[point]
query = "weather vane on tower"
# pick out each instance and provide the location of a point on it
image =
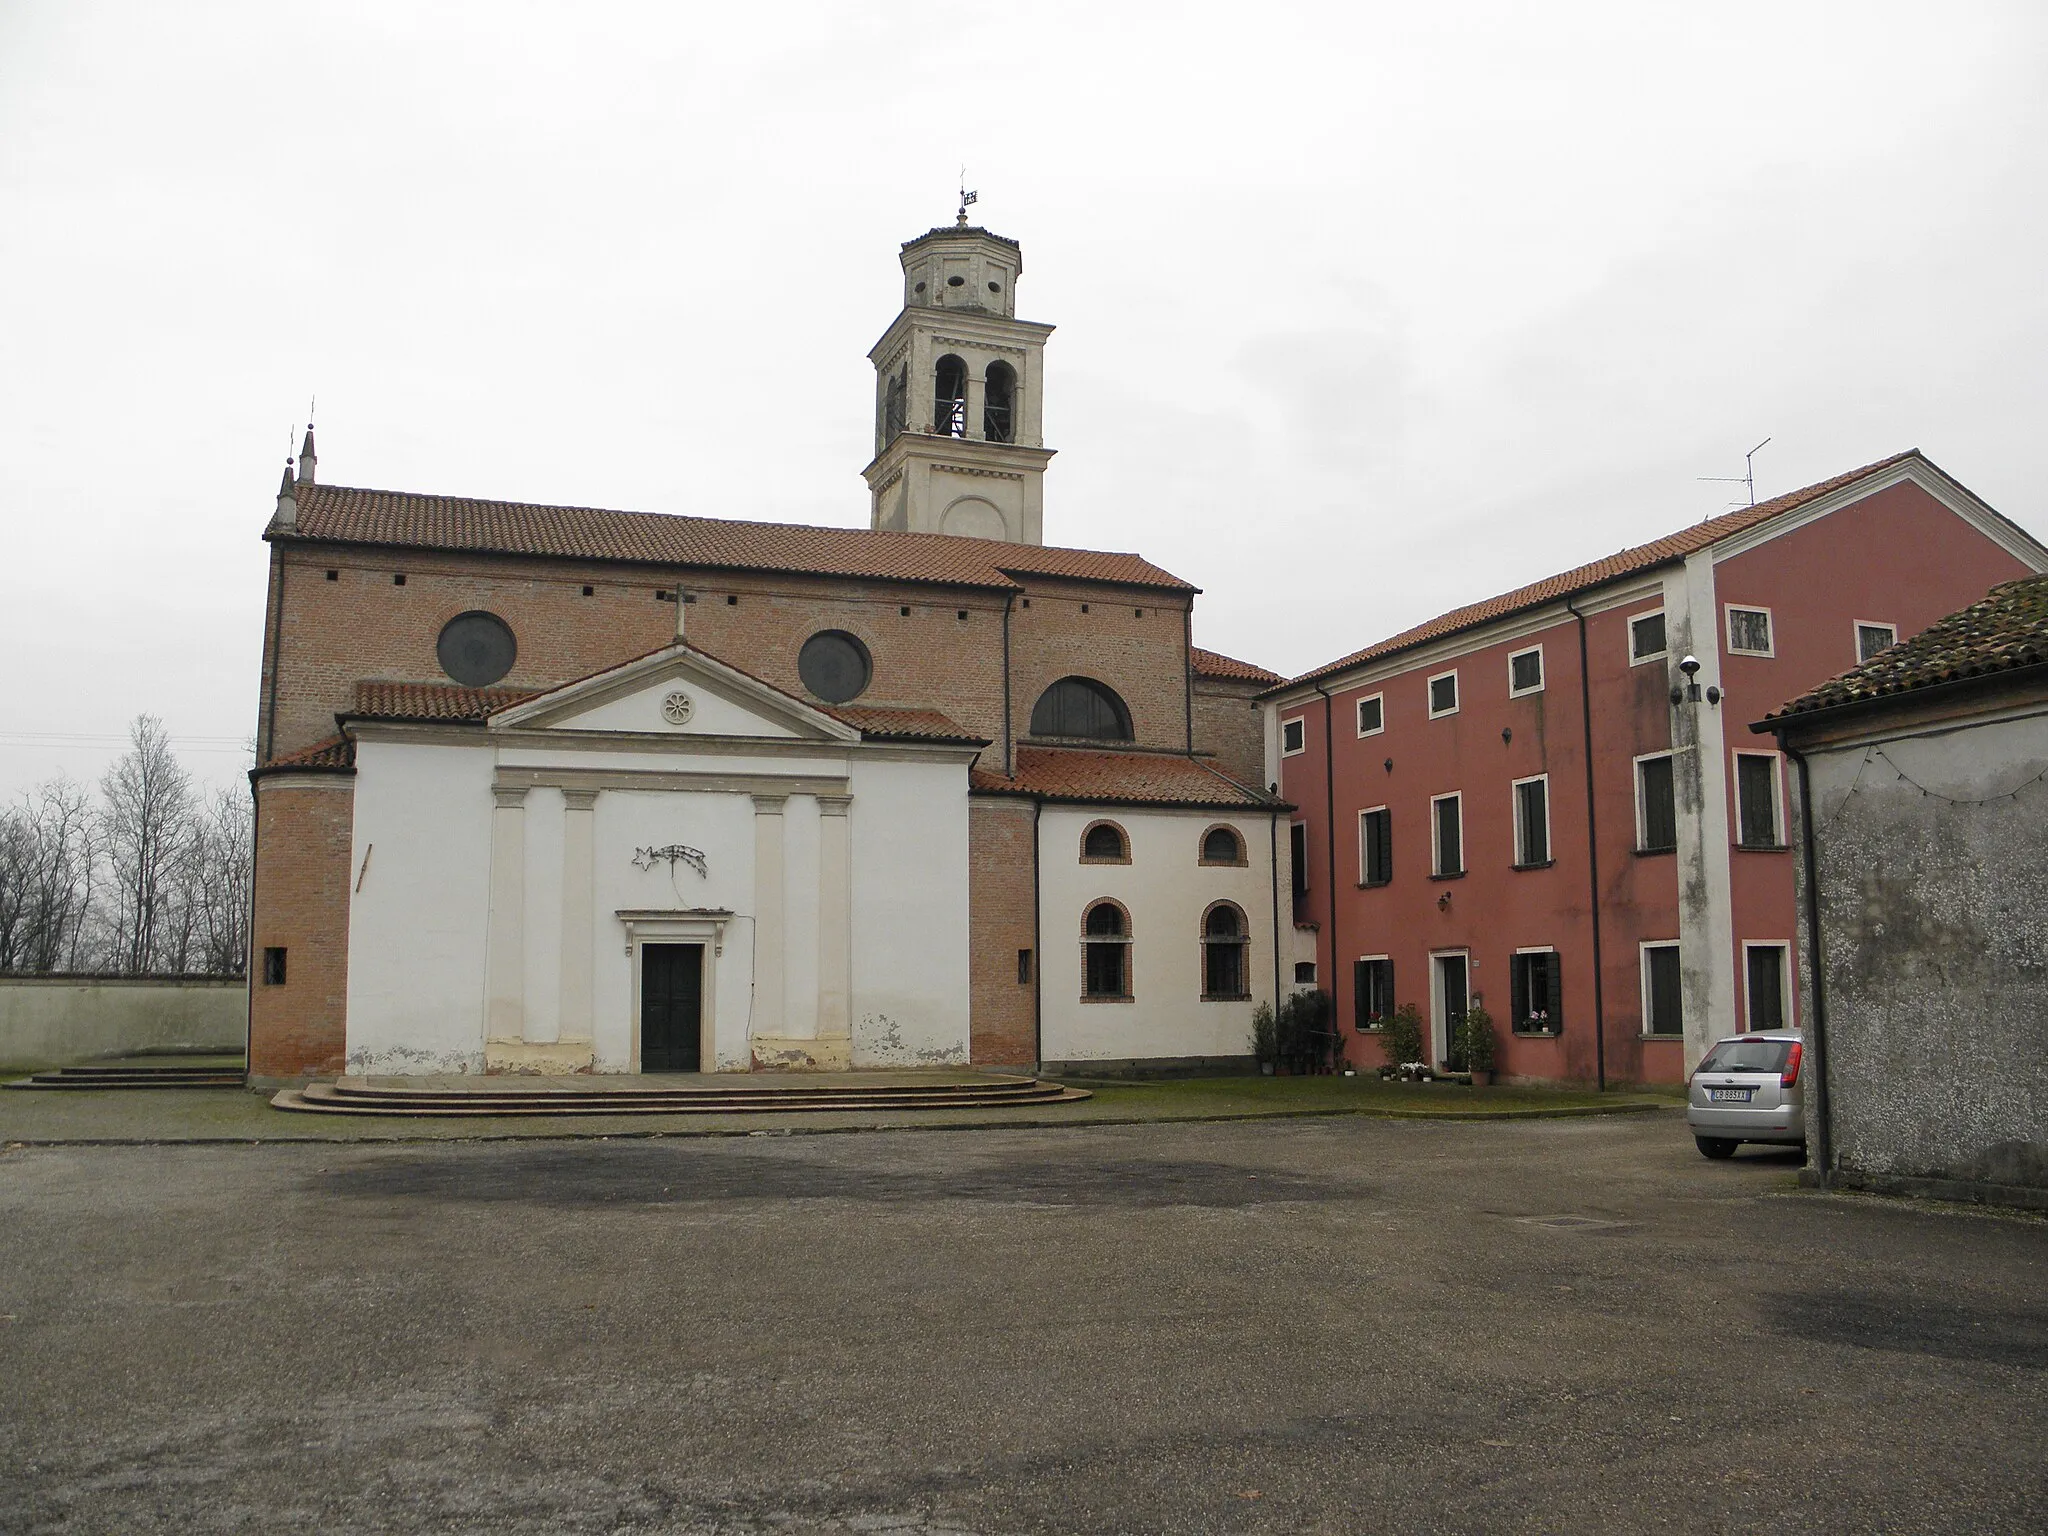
(966, 197)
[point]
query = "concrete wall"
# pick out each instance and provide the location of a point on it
(55, 1020)
(1934, 937)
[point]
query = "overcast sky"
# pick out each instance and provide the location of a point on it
(1364, 310)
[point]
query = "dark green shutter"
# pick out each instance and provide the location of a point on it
(1556, 1002)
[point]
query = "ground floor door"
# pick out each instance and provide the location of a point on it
(1451, 1001)
(671, 1007)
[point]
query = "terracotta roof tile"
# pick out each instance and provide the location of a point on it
(433, 701)
(881, 724)
(2005, 630)
(1627, 562)
(347, 515)
(1131, 778)
(1216, 664)
(335, 755)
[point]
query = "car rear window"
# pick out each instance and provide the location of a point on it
(1747, 1056)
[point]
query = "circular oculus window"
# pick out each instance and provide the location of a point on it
(476, 648)
(835, 666)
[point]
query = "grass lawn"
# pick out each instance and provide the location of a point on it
(1204, 1096)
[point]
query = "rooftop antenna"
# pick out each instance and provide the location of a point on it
(1747, 479)
(966, 197)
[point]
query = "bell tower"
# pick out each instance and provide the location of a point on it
(958, 388)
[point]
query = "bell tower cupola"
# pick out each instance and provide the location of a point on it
(958, 389)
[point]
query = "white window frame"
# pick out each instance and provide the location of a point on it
(1298, 720)
(1366, 698)
(1542, 673)
(1636, 767)
(1429, 694)
(1784, 949)
(1779, 831)
(1515, 816)
(1368, 811)
(1728, 612)
(1856, 628)
(1513, 1029)
(1366, 960)
(1436, 837)
(1643, 981)
(1648, 613)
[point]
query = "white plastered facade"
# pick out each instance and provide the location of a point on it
(506, 880)
(1166, 890)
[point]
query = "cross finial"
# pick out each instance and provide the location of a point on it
(966, 197)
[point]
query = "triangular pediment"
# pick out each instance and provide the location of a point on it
(676, 692)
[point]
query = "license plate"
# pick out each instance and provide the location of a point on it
(1730, 1095)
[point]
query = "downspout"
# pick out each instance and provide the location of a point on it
(1009, 603)
(1273, 869)
(1592, 860)
(1037, 949)
(1817, 1026)
(1187, 669)
(1330, 828)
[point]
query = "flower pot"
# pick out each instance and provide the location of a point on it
(1482, 1077)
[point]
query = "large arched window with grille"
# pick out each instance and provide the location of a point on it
(1222, 845)
(949, 397)
(999, 403)
(1081, 707)
(1225, 939)
(1106, 953)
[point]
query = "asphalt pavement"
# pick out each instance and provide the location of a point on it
(1339, 1324)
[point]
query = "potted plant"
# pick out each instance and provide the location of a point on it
(1480, 1044)
(1402, 1037)
(1265, 1038)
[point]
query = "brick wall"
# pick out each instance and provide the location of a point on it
(1228, 723)
(1002, 1020)
(1126, 638)
(304, 827)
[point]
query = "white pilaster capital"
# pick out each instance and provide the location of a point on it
(834, 805)
(769, 805)
(508, 799)
(579, 799)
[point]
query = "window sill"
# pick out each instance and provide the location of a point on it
(1540, 864)
(1537, 1034)
(1086, 860)
(1226, 997)
(1125, 998)
(1666, 1039)
(1763, 847)
(1217, 864)
(1655, 853)
(1374, 885)
(1456, 874)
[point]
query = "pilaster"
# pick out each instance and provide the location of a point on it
(835, 916)
(505, 966)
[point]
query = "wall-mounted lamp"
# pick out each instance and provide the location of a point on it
(1443, 902)
(1507, 734)
(1689, 691)
(1388, 765)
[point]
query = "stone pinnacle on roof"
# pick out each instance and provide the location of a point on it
(307, 458)
(287, 499)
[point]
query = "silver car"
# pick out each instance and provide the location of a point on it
(1748, 1088)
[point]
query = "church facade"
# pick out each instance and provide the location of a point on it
(557, 789)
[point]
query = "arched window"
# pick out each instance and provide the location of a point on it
(895, 404)
(1222, 845)
(1105, 843)
(998, 404)
(1224, 941)
(949, 397)
(1106, 952)
(1080, 706)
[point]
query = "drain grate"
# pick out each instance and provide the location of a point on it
(1567, 1223)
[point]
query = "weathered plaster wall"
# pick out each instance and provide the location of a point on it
(1934, 933)
(49, 1021)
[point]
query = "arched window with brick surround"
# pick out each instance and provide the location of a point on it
(1105, 843)
(1225, 939)
(1222, 845)
(1106, 953)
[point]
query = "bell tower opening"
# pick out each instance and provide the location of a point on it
(959, 394)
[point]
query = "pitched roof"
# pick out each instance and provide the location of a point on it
(433, 701)
(336, 754)
(399, 519)
(454, 704)
(1216, 664)
(2005, 630)
(1128, 778)
(1627, 562)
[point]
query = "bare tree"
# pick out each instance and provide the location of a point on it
(147, 819)
(220, 892)
(48, 858)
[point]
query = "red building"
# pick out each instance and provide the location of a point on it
(1531, 802)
